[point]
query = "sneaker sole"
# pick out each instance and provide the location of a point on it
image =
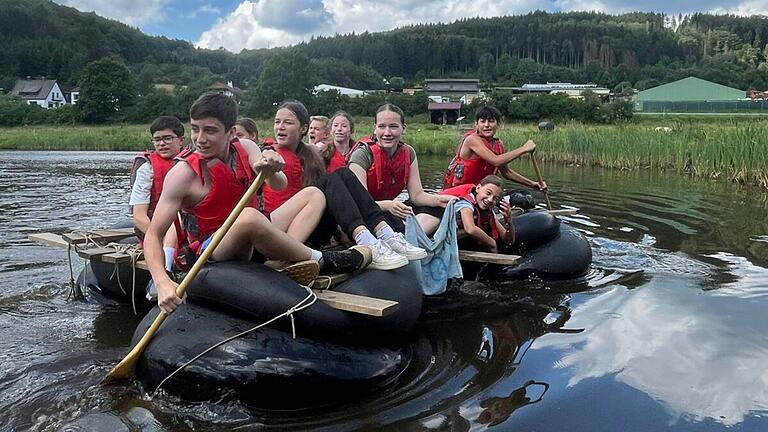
(367, 254)
(416, 256)
(390, 266)
(303, 272)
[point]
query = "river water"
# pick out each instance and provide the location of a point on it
(668, 331)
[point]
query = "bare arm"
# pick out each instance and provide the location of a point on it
(175, 189)
(472, 230)
(140, 217)
(475, 144)
(416, 190)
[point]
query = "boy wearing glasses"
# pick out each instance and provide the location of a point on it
(147, 176)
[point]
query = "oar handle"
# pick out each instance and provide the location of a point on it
(541, 179)
(127, 367)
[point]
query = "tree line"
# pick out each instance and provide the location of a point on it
(622, 52)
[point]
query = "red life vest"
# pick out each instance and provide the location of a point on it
(337, 161)
(160, 167)
(484, 219)
(294, 172)
(471, 171)
(387, 177)
(228, 184)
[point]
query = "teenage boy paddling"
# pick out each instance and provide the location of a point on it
(207, 185)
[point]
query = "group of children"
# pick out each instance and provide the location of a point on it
(334, 183)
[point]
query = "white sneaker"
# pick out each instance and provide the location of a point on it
(384, 258)
(398, 244)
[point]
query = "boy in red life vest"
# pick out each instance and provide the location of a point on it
(481, 154)
(147, 176)
(320, 136)
(207, 184)
(476, 218)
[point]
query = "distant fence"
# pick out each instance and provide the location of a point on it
(759, 106)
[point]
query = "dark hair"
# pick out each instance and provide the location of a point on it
(215, 105)
(487, 112)
(393, 108)
(248, 124)
(313, 165)
(492, 179)
(167, 122)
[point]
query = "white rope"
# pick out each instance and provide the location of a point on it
(133, 252)
(306, 302)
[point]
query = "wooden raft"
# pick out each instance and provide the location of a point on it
(321, 287)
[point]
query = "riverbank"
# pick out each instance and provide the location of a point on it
(735, 149)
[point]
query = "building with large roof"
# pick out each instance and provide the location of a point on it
(690, 95)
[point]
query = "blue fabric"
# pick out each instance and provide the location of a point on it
(442, 261)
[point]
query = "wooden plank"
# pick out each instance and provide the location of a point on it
(119, 257)
(105, 236)
(356, 303)
(49, 239)
(95, 253)
(330, 281)
(488, 257)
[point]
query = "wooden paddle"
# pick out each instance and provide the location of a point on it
(541, 180)
(127, 367)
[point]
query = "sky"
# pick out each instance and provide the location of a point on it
(235, 24)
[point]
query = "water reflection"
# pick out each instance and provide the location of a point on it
(672, 313)
(701, 356)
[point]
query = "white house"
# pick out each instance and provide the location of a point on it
(342, 90)
(43, 92)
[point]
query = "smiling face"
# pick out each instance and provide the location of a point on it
(317, 131)
(388, 129)
(288, 129)
(167, 143)
(211, 138)
(341, 129)
(487, 195)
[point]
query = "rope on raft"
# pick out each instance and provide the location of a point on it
(306, 302)
(75, 290)
(134, 252)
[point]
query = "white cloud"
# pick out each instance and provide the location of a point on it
(267, 23)
(752, 7)
(131, 12)
(271, 23)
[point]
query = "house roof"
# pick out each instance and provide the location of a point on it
(32, 89)
(437, 106)
(690, 89)
(225, 86)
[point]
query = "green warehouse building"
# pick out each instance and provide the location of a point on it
(692, 95)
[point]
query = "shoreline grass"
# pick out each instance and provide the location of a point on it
(735, 149)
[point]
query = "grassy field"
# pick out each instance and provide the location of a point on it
(733, 148)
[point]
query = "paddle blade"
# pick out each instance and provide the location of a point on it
(127, 367)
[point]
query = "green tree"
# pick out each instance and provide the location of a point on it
(106, 90)
(286, 75)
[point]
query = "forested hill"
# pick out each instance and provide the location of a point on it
(39, 37)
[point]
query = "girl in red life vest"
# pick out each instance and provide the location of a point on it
(348, 204)
(481, 154)
(245, 128)
(476, 218)
(385, 166)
